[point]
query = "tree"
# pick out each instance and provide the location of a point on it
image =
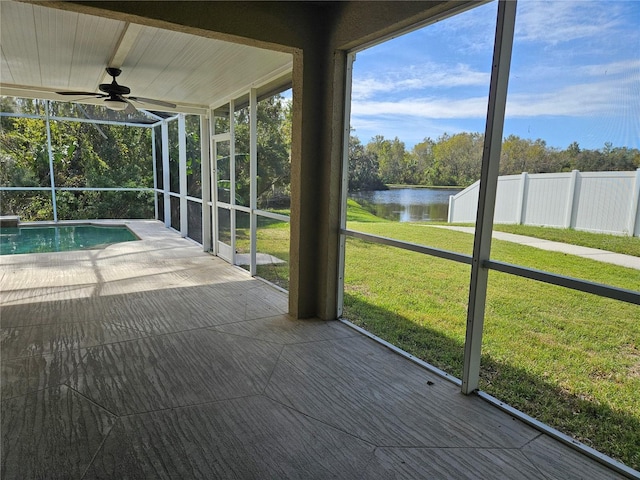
(525, 155)
(422, 162)
(363, 168)
(84, 155)
(194, 156)
(274, 151)
(457, 159)
(391, 157)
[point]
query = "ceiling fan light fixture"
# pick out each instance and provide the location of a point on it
(115, 104)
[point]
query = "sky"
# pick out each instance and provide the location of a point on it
(575, 76)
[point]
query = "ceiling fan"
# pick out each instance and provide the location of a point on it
(114, 95)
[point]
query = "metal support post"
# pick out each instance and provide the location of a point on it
(165, 173)
(487, 194)
(253, 182)
(182, 172)
(232, 179)
(54, 203)
(155, 173)
(346, 134)
(205, 178)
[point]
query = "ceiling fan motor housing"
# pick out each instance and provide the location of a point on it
(113, 88)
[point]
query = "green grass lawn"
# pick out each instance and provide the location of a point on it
(569, 359)
(273, 239)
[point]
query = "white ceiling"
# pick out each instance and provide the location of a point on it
(44, 50)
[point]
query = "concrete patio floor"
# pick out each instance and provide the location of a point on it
(152, 359)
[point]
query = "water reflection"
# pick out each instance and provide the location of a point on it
(407, 204)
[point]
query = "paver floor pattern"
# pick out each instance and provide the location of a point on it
(153, 359)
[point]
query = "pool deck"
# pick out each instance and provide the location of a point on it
(153, 359)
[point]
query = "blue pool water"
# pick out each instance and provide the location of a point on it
(60, 238)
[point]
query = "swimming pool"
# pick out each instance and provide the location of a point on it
(62, 238)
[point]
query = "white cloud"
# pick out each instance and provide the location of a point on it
(631, 66)
(423, 107)
(531, 75)
(576, 61)
(417, 77)
(558, 22)
(470, 32)
(579, 100)
(407, 129)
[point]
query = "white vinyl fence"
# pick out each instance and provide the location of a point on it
(603, 202)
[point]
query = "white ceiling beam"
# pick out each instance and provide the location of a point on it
(125, 44)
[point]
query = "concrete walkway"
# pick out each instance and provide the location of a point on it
(620, 259)
(261, 259)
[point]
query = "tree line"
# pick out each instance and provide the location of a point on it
(273, 142)
(89, 155)
(84, 155)
(454, 160)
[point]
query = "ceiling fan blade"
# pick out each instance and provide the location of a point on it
(153, 102)
(131, 109)
(84, 94)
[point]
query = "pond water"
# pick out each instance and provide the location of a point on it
(407, 204)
